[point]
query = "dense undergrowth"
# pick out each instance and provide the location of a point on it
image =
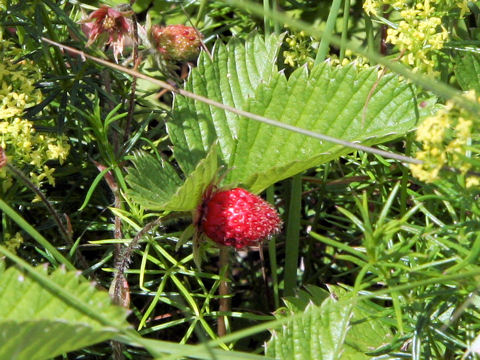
(356, 120)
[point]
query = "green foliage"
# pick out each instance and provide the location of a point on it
(366, 329)
(230, 78)
(316, 333)
(152, 181)
(369, 330)
(355, 105)
(345, 102)
(338, 102)
(156, 185)
(38, 324)
(467, 70)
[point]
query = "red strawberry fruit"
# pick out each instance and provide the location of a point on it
(177, 42)
(238, 218)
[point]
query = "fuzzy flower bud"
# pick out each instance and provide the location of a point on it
(176, 42)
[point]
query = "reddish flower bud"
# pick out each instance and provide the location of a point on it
(176, 42)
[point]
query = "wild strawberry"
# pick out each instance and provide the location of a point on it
(176, 42)
(238, 218)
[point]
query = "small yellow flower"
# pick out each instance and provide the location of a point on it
(419, 32)
(432, 129)
(24, 147)
(58, 151)
(472, 181)
(13, 243)
(370, 7)
(445, 139)
(463, 128)
(463, 5)
(423, 174)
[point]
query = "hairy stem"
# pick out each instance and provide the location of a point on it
(120, 283)
(223, 291)
(126, 255)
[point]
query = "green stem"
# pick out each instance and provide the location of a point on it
(276, 24)
(67, 236)
(293, 236)
(272, 255)
(343, 39)
(125, 257)
(325, 42)
(133, 85)
(266, 19)
(370, 36)
(405, 177)
(223, 291)
(17, 173)
(201, 11)
(60, 63)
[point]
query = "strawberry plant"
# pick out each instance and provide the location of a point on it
(239, 180)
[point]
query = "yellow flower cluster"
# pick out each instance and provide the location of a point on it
(418, 32)
(301, 50)
(24, 147)
(442, 7)
(445, 137)
(359, 61)
(12, 243)
(17, 91)
(418, 38)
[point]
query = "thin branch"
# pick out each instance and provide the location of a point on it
(136, 62)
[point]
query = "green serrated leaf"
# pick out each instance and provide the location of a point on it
(318, 333)
(231, 78)
(151, 182)
(299, 302)
(156, 185)
(349, 103)
(189, 195)
(36, 324)
(368, 329)
(467, 71)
